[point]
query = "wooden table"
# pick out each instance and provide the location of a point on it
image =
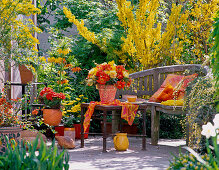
(105, 109)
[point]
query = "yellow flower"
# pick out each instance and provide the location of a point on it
(63, 113)
(112, 74)
(81, 95)
(51, 59)
(93, 71)
(111, 63)
(125, 74)
(90, 82)
(58, 60)
(63, 51)
(78, 99)
(42, 59)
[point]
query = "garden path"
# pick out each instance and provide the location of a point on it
(155, 157)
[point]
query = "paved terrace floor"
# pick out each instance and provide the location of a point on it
(155, 157)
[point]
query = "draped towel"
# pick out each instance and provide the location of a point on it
(128, 111)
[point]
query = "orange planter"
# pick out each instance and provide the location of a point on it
(52, 117)
(26, 75)
(107, 92)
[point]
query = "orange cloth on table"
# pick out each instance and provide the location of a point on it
(128, 111)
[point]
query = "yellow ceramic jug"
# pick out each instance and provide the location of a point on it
(121, 142)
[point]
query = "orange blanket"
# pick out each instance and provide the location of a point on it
(128, 111)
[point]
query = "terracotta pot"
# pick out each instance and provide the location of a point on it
(26, 75)
(70, 132)
(52, 117)
(78, 131)
(12, 133)
(107, 92)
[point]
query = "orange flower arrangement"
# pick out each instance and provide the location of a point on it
(109, 74)
(50, 98)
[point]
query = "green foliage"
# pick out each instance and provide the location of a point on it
(47, 158)
(201, 106)
(215, 55)
(188, 161)
(170, 126)
(100, 18)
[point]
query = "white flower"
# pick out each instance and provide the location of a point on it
(208, 130)
(216, 121)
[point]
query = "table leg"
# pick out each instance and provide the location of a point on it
(144, 130)
(82, 127)
(104, 130)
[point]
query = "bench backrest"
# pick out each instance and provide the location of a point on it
(147, 82)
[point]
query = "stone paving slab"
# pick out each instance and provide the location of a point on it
(91, 156)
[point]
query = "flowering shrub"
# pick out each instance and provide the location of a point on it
(50, 98)
(7, 116)
(72, 111)
(109, 74)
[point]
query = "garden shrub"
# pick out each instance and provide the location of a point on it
(201, 107)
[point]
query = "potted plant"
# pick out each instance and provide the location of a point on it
(10, 125)
(72, 114)
(108, 77)
(52, 114)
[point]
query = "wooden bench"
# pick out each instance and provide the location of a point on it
(147, 82)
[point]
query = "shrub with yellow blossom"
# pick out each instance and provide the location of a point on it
(146, 42)
(17, 42)
(72, 110)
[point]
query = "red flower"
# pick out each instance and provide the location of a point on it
(120, 84)
(120, 75)
(119, 68)
(49, 96)
(35, 112)
(101, 80)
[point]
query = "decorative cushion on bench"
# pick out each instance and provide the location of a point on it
(165, 92)
(173, 102)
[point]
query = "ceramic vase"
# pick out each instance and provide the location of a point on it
(121, 142)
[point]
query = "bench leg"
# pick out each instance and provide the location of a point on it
(155, 125)
(144, 131)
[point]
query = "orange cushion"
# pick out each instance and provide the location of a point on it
(186, 81)
(165, 92)
(172, 79)
(162, 94)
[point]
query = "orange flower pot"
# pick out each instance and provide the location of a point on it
(26, 74)
(52, 117)
(107, 92)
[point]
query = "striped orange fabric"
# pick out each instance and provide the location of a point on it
(128, 111)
